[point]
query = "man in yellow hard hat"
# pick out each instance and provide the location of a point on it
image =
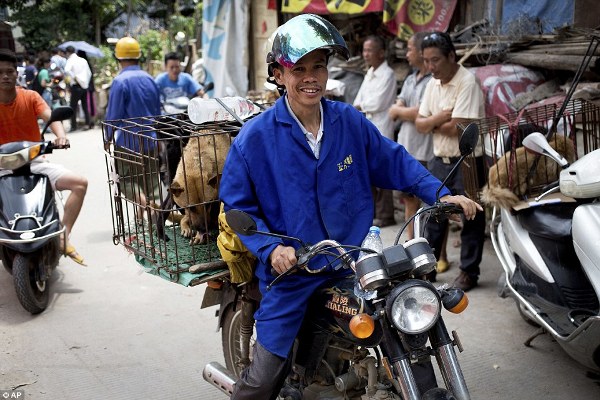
(133, 94)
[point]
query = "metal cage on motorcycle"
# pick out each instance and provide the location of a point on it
(506, 162)
(152, 230)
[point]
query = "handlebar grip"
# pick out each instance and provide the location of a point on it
(450, 208)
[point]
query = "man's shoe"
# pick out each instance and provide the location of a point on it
(73, 130)
(464, 282)
(384, 222)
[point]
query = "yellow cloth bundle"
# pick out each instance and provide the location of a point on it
(239, 259)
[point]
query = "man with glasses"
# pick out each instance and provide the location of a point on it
(452, 97)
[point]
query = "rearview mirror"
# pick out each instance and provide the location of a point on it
(468, 139)
(240, 222)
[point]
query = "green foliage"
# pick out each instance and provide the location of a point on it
(152, 43)
(106, 68)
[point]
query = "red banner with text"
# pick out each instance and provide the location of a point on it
(405, 17)
(331, 6)
(401, 17)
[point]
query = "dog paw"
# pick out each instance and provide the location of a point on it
(200, 238)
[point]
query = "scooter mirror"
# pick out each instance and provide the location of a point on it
(537, 143)
(468, 139)
(60, 114)
(240, 222)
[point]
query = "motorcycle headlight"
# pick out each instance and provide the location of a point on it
(413, 307)
(19, 158)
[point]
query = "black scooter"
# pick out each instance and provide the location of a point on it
(30, 226)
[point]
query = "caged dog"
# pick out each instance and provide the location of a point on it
(509, 180)
(171, 140)
(195, 186)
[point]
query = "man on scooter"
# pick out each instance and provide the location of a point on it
(19, 113)
(174, 83)
(305, 168)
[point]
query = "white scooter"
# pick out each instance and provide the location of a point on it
(550, 253)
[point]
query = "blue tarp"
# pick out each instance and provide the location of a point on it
(551, 13)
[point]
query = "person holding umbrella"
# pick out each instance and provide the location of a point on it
(79, 71)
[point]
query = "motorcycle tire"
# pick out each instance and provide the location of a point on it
(438, 394)
(231, 339)
(31, 292)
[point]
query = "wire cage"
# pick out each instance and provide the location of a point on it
(501, 160)
(163, 176)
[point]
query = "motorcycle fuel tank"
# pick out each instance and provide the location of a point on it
(331, 308)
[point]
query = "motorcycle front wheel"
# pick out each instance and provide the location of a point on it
(31, 291)
(232, 340)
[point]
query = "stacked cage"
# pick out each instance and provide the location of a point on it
(163, 175)
(501, 161)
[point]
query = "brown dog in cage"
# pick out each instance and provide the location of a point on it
(499, 193)
(195, 187)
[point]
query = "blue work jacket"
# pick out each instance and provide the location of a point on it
(133, 93)
(272, 174)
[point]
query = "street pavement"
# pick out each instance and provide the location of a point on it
(114, 332)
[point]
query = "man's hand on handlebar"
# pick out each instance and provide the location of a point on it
(283, 258)
(61, 142)
(469, 207)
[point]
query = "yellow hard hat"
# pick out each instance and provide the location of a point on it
(127, 48)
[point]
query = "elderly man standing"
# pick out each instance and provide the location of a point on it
(453, 96)
(79, 71)
(375, 97)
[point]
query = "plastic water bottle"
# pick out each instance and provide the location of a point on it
(371, 241)
(209, 110)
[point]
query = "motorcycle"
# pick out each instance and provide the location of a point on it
(59, 88)
(551, 258)
(179, 104)
(355, 344)
(30, 227)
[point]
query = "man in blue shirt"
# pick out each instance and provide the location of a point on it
(133, 94)
(305, 168)
(174, 83)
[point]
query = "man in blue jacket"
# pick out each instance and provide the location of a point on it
(305, 168)
(133, 94)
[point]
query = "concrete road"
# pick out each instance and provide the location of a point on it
(114, 332)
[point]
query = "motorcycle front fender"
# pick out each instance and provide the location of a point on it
(28, 213)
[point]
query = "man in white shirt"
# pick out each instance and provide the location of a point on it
(453, 96)
(375, 97)
(79, 71)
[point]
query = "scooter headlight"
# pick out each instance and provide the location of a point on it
(413, 307)
(19, 158)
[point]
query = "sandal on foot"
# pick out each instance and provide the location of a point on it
(72, 253)
(442, 266)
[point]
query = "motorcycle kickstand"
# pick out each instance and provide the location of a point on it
(537, 333)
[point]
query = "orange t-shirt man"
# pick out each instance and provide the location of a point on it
(18, 119)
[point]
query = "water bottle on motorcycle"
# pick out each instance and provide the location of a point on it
(210, 110)
(373, 242)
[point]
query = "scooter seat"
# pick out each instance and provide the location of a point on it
(552, 221)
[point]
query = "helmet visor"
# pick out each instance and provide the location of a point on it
(303, 34)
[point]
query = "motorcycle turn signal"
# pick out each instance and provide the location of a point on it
(454, 300)
(362, 325)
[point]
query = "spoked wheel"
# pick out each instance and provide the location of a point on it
(31, 291)
(232, 340)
